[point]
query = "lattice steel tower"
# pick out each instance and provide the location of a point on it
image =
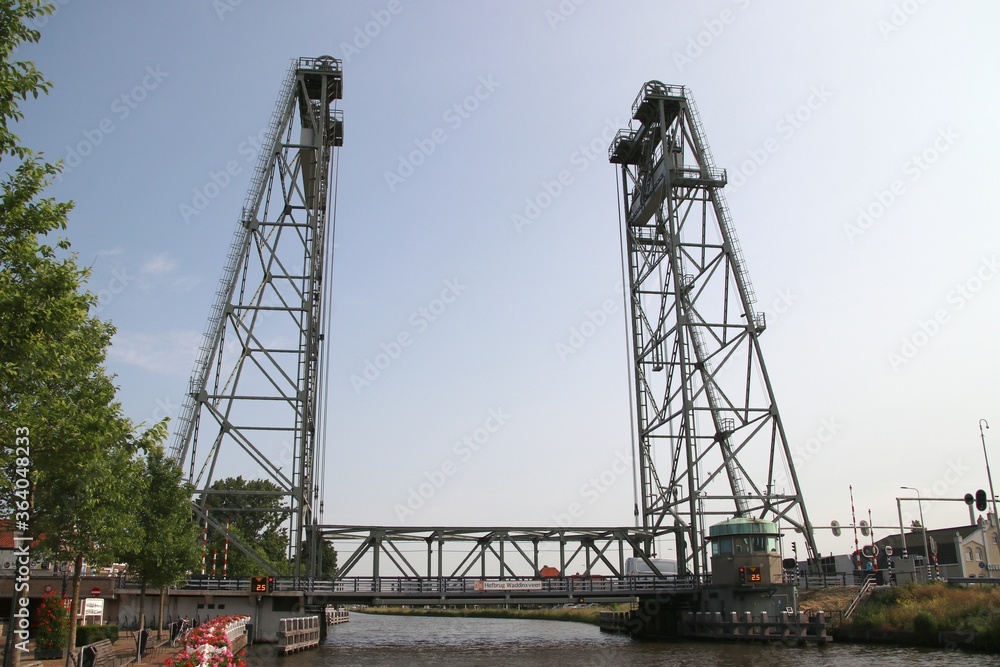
(254, 397)
(710, 440)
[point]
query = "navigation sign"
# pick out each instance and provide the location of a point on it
(258, 584)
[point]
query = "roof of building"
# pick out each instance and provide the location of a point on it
(7, 536)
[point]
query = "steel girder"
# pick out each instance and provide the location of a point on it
(487, 552)
(710, 440)
(252, 399)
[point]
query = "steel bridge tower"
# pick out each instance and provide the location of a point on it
(254, 398)
(711, 444)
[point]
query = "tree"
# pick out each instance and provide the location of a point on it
(83, 496)
(169, 548)
(328, 567)
(256, 511)
(83, 469)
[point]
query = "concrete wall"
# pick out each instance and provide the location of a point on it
(264, 610)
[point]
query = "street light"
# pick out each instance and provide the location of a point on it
(989, 477)
(923, 528)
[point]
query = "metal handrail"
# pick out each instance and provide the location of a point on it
(571, 585)
(866, 588)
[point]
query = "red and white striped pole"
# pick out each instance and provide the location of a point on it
(215, 552)
(204, 545)
(225, 553)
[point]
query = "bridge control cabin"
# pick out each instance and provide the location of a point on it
(745, 553)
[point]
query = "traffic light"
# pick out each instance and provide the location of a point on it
(743, 575)
(981, 500)
(261, 584)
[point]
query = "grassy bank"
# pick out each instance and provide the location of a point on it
(576, 615)
(926, 609)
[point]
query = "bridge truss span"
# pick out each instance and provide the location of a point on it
(487, 552)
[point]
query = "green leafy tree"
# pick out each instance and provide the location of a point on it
(328, 566)
(169, 550)
(84, 473)
(84, 497)
(256, 511)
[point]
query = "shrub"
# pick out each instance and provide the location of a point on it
(925, 626)
(52, 626)
(88, 634)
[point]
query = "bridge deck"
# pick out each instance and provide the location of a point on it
(459, 590)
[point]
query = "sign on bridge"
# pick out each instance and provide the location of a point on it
(504, 585)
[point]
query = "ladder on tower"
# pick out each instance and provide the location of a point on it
(725, 220)
(232, 265)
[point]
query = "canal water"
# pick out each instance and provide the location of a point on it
(445, 642)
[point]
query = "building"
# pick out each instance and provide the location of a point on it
(962, 551)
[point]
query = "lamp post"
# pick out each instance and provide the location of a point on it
(989, 477)
(923, 528)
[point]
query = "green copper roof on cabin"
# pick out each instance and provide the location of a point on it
(742, 526)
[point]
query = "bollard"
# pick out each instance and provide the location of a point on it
(820, 624)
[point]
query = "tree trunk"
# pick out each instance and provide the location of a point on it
(11, 650)
(163, 602)
(74, 603)
(142, 621)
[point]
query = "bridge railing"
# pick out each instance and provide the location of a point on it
(445, 586)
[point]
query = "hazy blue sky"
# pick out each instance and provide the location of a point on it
(861, 143)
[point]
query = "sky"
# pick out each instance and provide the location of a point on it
(860, 143)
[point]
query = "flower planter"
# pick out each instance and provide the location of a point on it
(50, 653)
